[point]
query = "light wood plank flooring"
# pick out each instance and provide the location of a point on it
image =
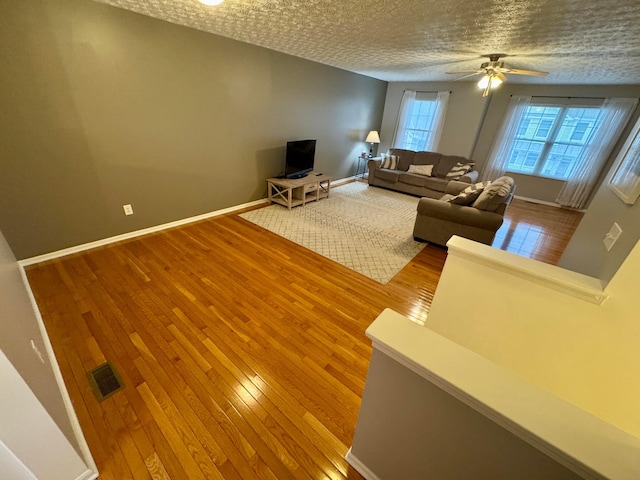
(243, 354)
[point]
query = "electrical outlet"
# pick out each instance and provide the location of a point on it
(37, 350)
(128, 209)
(611, 236)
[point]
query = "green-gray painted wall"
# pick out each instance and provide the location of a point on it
(103, 107)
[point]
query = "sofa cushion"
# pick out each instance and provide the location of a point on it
(388, 175)
(426, 158)
(446, 163)
(434, 183)
(389, 161)
(425, 170)
(405, 158)
(447, 197)
(469, 194)
(411, 179)
(494, 195)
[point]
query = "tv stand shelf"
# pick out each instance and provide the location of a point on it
(298, 191)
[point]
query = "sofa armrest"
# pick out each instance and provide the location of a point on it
(455, 187)
(459, 214)
(373, 164)
(470, 177)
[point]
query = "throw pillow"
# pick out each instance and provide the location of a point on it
(389, 161)
(469, 194)
(421, 169)
(459, 170)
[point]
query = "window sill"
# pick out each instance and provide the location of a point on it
(509, 172)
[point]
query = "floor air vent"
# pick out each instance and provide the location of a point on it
(105, 381)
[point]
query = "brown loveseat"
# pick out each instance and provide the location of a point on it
(474, 215)
(432, 186)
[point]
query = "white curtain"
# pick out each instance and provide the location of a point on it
(408, 97)
(438, 121)
(614, 115)
(497, 160)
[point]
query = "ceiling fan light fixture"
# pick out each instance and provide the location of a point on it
(490, 81)
(211, 3)
(484, 81)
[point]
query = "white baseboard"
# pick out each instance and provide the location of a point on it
(88, 475)
(92, 469)
(543, 202)
(145, 231)
(359, 466)
(135, 233)
(342, 181)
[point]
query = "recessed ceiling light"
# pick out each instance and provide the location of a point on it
(211, 2)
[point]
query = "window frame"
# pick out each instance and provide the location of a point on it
(422, 96)
(627, 191)
(564, 104)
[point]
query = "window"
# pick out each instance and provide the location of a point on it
(569, 139)
(551, 138)
(419, 125)
(625, 181)
(420, 120)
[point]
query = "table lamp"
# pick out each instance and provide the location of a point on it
(372, 138)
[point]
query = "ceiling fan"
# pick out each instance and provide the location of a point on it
(493, 73)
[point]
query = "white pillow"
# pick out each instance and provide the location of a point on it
(389, 161)
(421, 170)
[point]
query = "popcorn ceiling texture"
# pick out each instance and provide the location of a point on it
(576, 41)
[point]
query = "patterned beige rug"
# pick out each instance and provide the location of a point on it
(367, 229)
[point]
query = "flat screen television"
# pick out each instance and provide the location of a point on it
(299, 159)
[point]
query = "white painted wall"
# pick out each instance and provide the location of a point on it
(20, 325)
(433, 409)
(31, 441)
(585, 353)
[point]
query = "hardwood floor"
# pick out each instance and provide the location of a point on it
(243, 355)
(536, 231)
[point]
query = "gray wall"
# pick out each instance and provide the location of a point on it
(104, 107)
(462, 121)
(19, 326)
(544, 189)
(471, 125)
(409, 428)
(586, 253)
(472, 122)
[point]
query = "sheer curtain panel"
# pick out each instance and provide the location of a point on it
(497, 161)
(437, 122)
(408, 98)
(613, 117)
(419, 127)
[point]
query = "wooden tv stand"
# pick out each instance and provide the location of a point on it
(298, 191)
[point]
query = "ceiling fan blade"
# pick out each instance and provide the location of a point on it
(524, 72)
(467, 76)
(465, 71)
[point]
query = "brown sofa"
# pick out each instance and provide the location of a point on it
(424, 186)
(438, 220)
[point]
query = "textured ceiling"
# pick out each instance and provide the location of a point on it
(576, 41)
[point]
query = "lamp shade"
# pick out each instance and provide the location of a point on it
(373, 137)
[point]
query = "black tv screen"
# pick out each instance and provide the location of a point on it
(300, 157)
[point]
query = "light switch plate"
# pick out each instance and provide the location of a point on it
(611, 236)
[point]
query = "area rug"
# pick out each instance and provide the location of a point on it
(367, 229)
